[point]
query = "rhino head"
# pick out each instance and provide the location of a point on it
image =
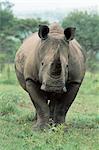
(53, 57)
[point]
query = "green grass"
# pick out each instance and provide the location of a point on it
(17, 112)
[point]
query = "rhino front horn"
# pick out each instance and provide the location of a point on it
(43, 87)
(64, 89)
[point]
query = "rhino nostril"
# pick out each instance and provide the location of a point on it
(67, 66)
(42, 63)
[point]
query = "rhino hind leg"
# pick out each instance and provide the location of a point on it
(51, 109)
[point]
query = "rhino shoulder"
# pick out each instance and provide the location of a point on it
(25, 59)
(74, 45)
(76, 62)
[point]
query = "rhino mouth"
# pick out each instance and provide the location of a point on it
(54, 84)
(56, 89)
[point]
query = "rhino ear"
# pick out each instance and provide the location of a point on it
(43, 31)
(69, 33)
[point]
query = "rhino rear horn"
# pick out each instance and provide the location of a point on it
(69, 33)
(43, 31)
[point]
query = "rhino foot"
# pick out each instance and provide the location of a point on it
(40, 127)
(35, 118)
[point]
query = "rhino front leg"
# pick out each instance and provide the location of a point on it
(63, 104)
(39, 101)
(35, 117)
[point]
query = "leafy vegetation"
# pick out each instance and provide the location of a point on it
(87, 26)
(13, 31)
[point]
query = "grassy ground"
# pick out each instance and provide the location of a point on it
(16, 113)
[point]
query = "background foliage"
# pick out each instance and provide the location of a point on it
(13, 31)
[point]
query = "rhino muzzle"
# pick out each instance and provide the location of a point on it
(55, 77)
(56, 89)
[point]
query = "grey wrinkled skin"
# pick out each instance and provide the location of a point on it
(50, 66)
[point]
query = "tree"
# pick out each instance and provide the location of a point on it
(6, 15)
(13, 31)
(24, 27)
(87, 25)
